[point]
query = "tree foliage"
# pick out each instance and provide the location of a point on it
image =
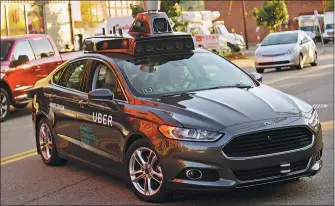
(273, 14)
(330, 5)
(171, 8)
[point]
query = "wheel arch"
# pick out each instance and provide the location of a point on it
(131, 138)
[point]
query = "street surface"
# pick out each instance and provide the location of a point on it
(25, 179)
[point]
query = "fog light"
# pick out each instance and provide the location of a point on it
(193, 174)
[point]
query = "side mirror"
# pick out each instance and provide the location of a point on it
(257, 45)
(99, 96)
(256, 76)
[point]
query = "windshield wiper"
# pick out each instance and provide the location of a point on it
(173, 95)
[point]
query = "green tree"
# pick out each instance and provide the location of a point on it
(172, 10)
(330, 5)
(273, 14)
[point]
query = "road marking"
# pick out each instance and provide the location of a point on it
(319, 106)
(18, 154)
(298, 74)
(18, 158)
(327, 126)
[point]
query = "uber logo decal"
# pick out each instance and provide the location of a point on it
(102, 118)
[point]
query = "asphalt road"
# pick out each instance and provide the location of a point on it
(26, 180)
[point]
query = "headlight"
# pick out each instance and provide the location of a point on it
(258, 54)
(292, 50)
(314, 120)
(188, 134)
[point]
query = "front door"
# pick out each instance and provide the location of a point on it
(65, 96)
(101, 127)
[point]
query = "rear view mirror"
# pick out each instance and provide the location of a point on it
(99, 96)
(257, 76)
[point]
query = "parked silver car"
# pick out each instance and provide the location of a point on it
(285, 49)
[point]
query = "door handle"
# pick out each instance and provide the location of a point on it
(82, 103)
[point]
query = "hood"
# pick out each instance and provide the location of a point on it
(274, 49)
(214, 110)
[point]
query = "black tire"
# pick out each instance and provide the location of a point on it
(325, 41)
(54, 159)
(20, 106)
(278, 69)
(161, 194)
(259, 70)
(300, 64)
(5, 105)
(315, 63)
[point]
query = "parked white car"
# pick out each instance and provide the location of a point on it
(285, 49)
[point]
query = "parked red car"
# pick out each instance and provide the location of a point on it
(25, 60)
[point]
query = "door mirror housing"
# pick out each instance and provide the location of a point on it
(257, 45)
(256, 76)
(101, 96)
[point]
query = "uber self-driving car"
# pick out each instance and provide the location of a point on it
(167, 116)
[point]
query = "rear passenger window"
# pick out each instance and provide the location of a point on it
(73, 75)
(42, 48)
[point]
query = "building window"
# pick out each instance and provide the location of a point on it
(121, 8)
(16, 19)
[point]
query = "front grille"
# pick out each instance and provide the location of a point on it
(330, 33)
(266, 172)
(273, 63)
(273, 55)
(268, 142)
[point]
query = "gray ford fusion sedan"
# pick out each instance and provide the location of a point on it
(167, 116)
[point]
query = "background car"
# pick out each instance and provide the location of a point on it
(285, 49)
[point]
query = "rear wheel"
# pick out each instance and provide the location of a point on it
(47, 145)
(4, 106)
(259, 70)
(301, 63)
(278, 69)
(315, 62)
(144, 172)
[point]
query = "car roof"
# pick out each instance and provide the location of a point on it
(286, 32)
(23, 37)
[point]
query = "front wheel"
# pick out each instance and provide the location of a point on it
(47, 145)
(259, 70)
(301, 63)
(315, 62)
(5, 105)
(144, 172)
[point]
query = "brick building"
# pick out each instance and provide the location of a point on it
(234, 18)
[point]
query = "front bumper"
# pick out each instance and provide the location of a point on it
(181, 155)
(277, 61)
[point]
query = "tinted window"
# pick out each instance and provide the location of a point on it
(170, 74)
(56, 76)
(105, 78)
(284, 38)
(23, 48)
(42, 48)
(73, 75)
(5, 46)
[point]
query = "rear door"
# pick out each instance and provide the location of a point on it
(46, 56)
(65, 96)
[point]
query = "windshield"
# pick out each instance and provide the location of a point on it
(288, 38)
(308, 28)
(223, 30)
(5, 46)
(176, 74)
(330, 26)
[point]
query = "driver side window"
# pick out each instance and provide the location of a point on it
(105, 78)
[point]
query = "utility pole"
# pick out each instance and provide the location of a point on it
(245, 26)
(71, 23)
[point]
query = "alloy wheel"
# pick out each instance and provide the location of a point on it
(45, 139)
(4, 107)
(145, 171)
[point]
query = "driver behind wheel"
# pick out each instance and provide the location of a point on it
(170, 79)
